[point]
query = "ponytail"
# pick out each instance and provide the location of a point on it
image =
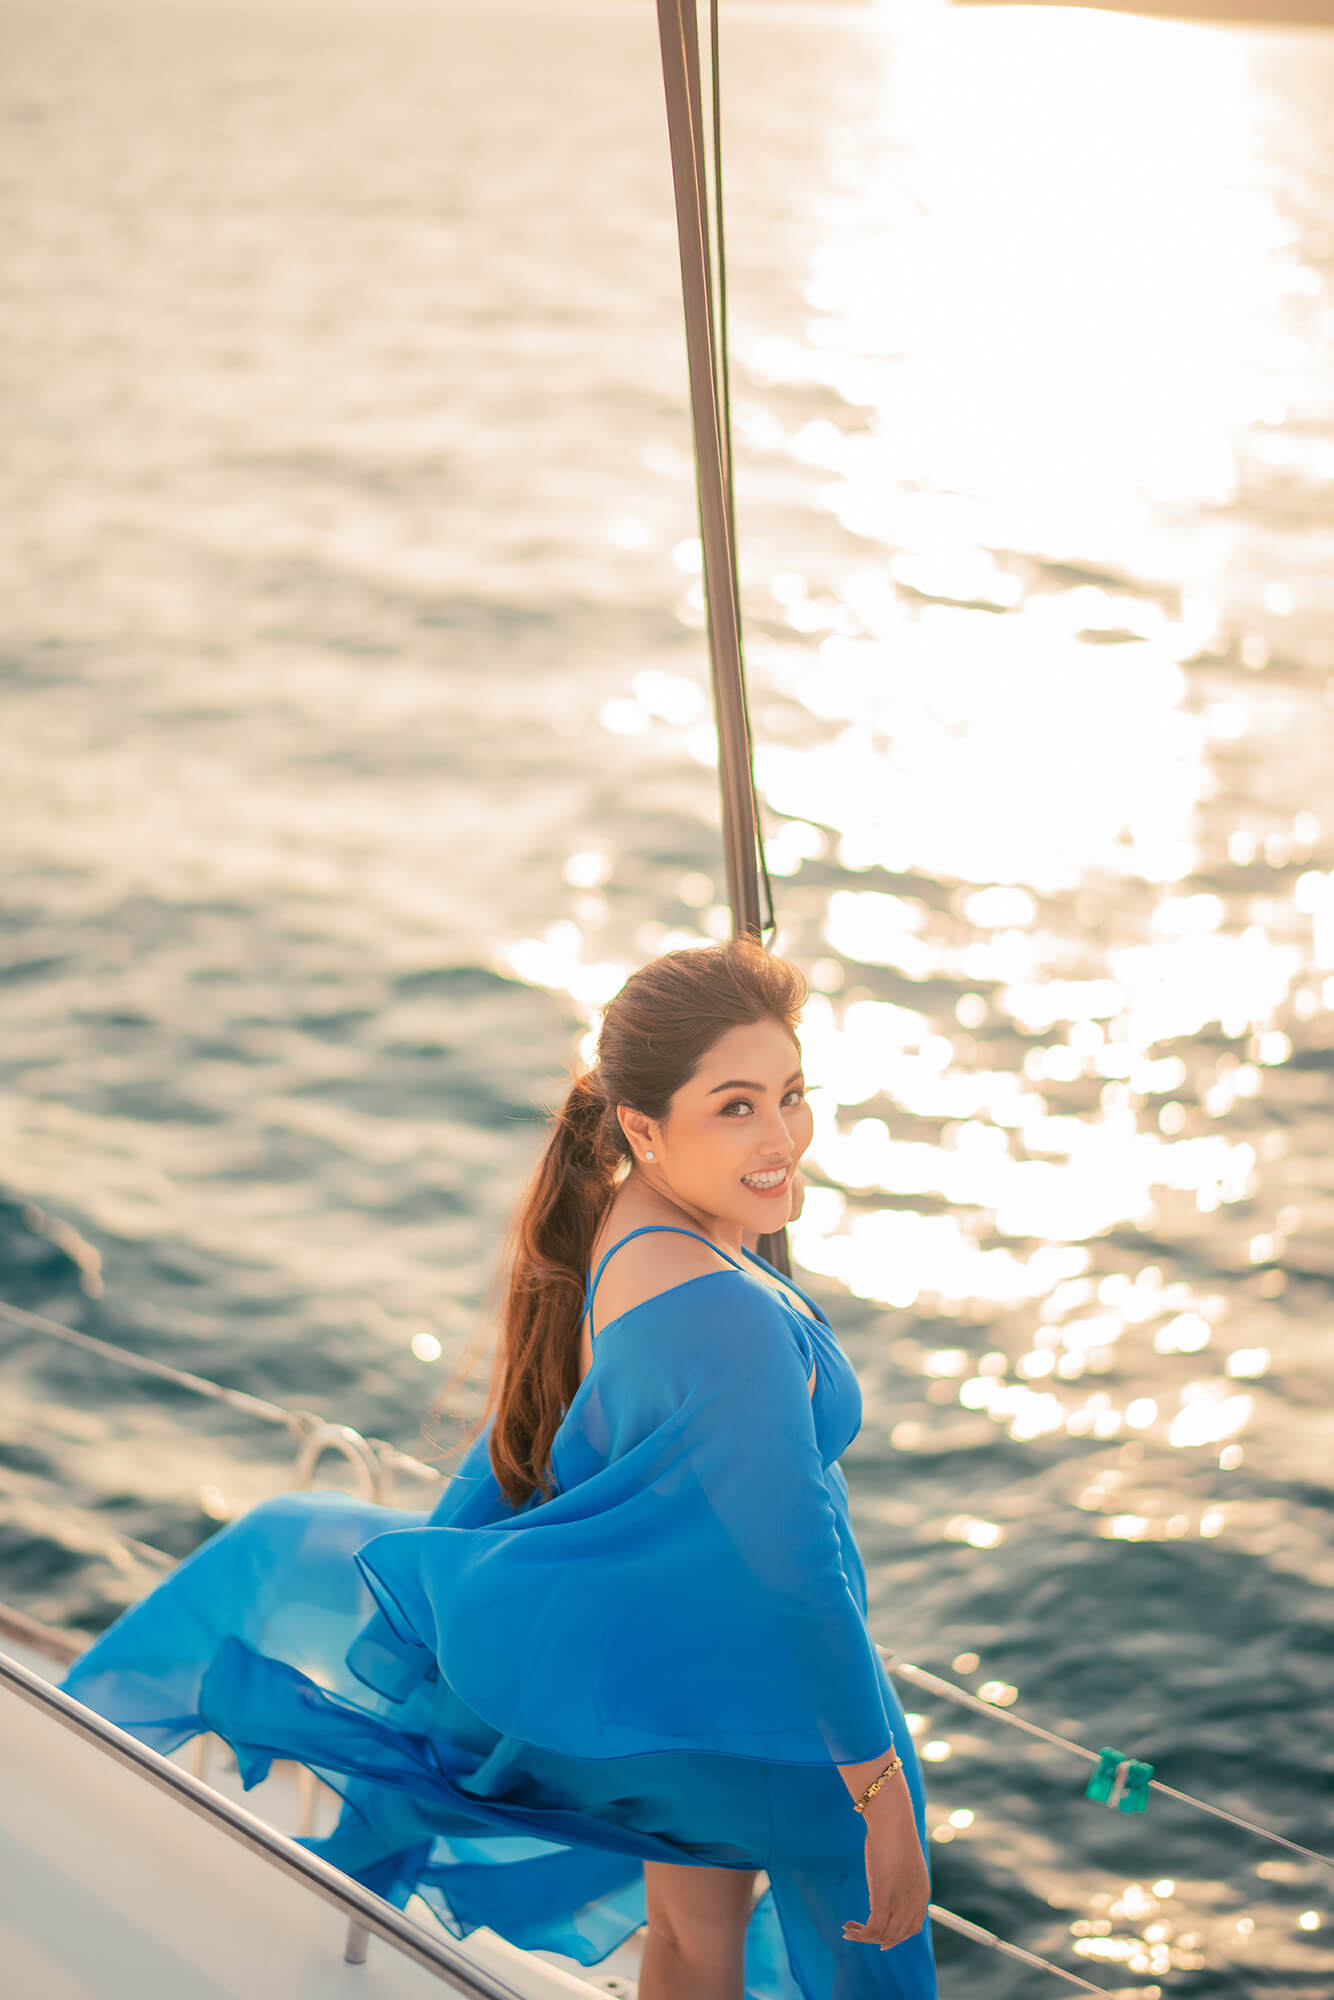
(538, 1355)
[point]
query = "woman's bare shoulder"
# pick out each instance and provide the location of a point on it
(647, 1266)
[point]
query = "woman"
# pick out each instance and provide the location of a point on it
(624, 1664)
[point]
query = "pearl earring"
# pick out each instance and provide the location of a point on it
(648, 1156)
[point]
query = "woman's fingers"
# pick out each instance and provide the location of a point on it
(886, 1943)
(880, 1921)
(873, 1933)
(886, 1931)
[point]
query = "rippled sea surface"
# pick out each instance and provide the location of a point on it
(355, 745)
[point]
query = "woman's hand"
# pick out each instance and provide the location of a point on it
(897, 1882)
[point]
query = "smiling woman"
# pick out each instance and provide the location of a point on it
(623, 1667)
(696, 1169)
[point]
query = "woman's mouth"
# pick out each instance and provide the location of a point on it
(769, 1184)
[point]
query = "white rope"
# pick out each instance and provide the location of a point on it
(989, 1938)
(932, 1684)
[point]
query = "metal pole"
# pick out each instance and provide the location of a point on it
(678, 33)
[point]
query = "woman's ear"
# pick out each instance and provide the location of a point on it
(637, 1128)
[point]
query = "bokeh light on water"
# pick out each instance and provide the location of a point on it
(357, 744)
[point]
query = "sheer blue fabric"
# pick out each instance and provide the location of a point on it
(520, 1706)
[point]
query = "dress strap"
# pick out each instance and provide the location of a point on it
(642, 1230)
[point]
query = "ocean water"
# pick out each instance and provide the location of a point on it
(355, 745)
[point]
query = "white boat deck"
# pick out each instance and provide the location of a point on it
(113, 1889)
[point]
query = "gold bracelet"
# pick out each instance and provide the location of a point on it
(888, 1772)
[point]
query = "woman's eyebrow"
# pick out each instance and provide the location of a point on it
(741, 1083)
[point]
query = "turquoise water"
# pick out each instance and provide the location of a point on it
(354, 746)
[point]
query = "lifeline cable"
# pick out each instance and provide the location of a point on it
(932, 1684)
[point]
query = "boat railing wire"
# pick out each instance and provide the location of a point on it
(375, 1462)
(932, 1684)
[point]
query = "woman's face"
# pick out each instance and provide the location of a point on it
(744, 1113)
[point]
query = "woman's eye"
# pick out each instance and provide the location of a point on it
(797, 1090)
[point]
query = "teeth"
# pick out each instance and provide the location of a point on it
(764, 1180)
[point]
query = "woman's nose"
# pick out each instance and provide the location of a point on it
(779, 1127)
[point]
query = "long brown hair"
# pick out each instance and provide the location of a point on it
(654, 1035)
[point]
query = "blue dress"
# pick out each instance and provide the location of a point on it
(520, 1706)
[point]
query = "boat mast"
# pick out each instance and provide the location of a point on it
(706, 354)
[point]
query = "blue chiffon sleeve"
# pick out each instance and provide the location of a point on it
(684, 1588)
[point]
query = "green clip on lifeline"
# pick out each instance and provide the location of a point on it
(1120, 1781)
